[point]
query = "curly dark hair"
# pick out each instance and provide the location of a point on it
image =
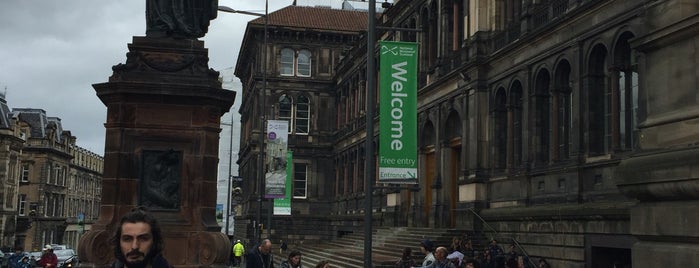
(138, 214)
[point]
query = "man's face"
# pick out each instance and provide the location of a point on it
(136, 241)
(440, 254)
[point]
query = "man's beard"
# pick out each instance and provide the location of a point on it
(147, 258)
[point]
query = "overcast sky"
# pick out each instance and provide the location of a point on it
(51, 52)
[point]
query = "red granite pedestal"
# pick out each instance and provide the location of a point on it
(163, 103)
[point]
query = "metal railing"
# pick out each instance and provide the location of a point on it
(496, 234)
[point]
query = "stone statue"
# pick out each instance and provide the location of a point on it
(181, 19)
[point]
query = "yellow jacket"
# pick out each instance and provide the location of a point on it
(238, 249)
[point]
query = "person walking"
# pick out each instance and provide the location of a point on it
(293, 261)
(282, 247)
(260, 256)
(426, 247)
(238, 250)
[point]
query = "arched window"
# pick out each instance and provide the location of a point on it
(626, 77)
(303, 114)
(287, 62)
(516, 106)
(598, 103)
(304, 63)
(542, 101)
(500, 131)
(297, 113)
(563, 111)
(285, 107)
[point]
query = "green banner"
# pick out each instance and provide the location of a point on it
(282, 206)
(398, 113)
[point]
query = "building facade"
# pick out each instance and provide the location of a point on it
(57, 180)
(11, 142)
(304, 45)
(568, 126)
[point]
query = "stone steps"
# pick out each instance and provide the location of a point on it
(387, 247)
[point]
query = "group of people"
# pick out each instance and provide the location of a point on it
(138, 243)
(21, 259)
(260, 256)
(461, 254)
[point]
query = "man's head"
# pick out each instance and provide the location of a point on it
(426, 246)
(137, 239)
(48, 249)
(441, 253)
(265, 247)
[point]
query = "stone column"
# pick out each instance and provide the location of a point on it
(161, 151)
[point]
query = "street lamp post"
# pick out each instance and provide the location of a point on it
(369, 142)
(262, 115)
(230, 175)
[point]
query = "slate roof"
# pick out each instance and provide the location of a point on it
(317, 18)
(38, 121)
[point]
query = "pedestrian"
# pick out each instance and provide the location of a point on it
(238, 250)
(24, 262)
(441, 261)
(426, 247)
(32, 261)
(138, 241)
(260, 256)
(323, 264)
(48, 258)
(456, 244)
(406, 261)
(293, 261)
(14, 260)
(282, 247)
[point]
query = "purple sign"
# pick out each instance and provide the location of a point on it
(272, 136)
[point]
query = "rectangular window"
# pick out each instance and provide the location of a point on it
(22, 205)
(25, 173)
(300, 180)
(302, 115)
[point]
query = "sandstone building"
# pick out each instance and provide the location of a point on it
(569, 126)
(48, 181)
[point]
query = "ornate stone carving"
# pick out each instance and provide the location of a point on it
(161, 179)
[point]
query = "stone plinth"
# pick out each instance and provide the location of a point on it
(162, 135)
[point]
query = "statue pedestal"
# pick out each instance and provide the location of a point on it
(162, 134)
